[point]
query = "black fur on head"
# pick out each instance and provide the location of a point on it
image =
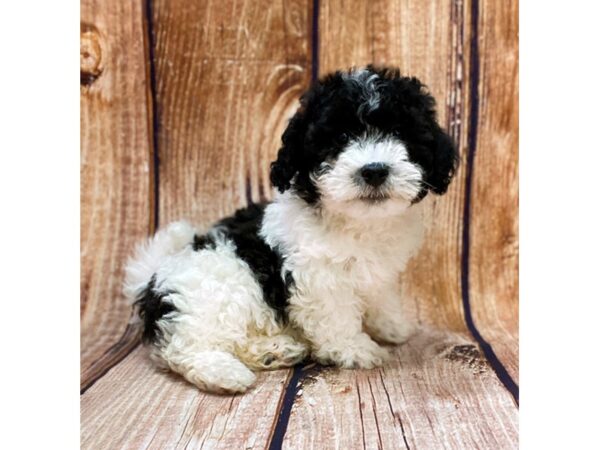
(337, 107)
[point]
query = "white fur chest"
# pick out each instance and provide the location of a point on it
(359, 254)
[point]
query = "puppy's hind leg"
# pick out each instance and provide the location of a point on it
(211, 370)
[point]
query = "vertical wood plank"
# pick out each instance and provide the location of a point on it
(116, 203)
(494, 215)
(420, 38)
(228, 77)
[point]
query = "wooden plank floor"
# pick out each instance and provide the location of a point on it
(438, 392)
(182, 113)
(137, 406)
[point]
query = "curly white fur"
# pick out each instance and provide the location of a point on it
(222, 326)
(346, 277)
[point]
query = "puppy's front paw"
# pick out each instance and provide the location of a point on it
(361, 352)
(390, 329)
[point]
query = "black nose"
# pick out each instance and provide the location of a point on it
(375, 174)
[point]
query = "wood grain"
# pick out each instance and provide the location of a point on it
(494, 218)
(229, 74)
(136, 406)
(116, 175)
(437, 393)
(421, 39)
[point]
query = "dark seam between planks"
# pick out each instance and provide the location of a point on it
(315, 42)
(155, 119)
(373, 407)
(489, 353)
(153, 437)
(123, 341)
(248, 188)
(291, 390)
(226, 419)
(387, 394)
(360, 412)
(289, 395)
(191, 417)
(454, 109)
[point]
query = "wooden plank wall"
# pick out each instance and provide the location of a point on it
(116, 173)
(183, 105)
(493, 240)
(228, 75)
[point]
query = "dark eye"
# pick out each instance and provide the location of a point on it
(341, 139)
(397, 133)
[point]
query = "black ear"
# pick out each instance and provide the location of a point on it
(445, 162)
(285, 166)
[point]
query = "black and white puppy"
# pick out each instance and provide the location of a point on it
(314, 272)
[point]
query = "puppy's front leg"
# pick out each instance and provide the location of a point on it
(332, 321)
(384, 318)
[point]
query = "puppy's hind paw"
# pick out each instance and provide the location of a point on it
(216, 371)
(240, 381)
(273, 352)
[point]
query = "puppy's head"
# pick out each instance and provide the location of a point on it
(365, 143)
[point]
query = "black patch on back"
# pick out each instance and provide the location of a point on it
(242, 228)
(152, 308)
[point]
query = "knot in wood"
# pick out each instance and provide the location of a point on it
(90, 54)
(468, 355)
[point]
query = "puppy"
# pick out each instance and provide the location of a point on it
(315, 271)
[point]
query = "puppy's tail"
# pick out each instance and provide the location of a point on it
(150, 254)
